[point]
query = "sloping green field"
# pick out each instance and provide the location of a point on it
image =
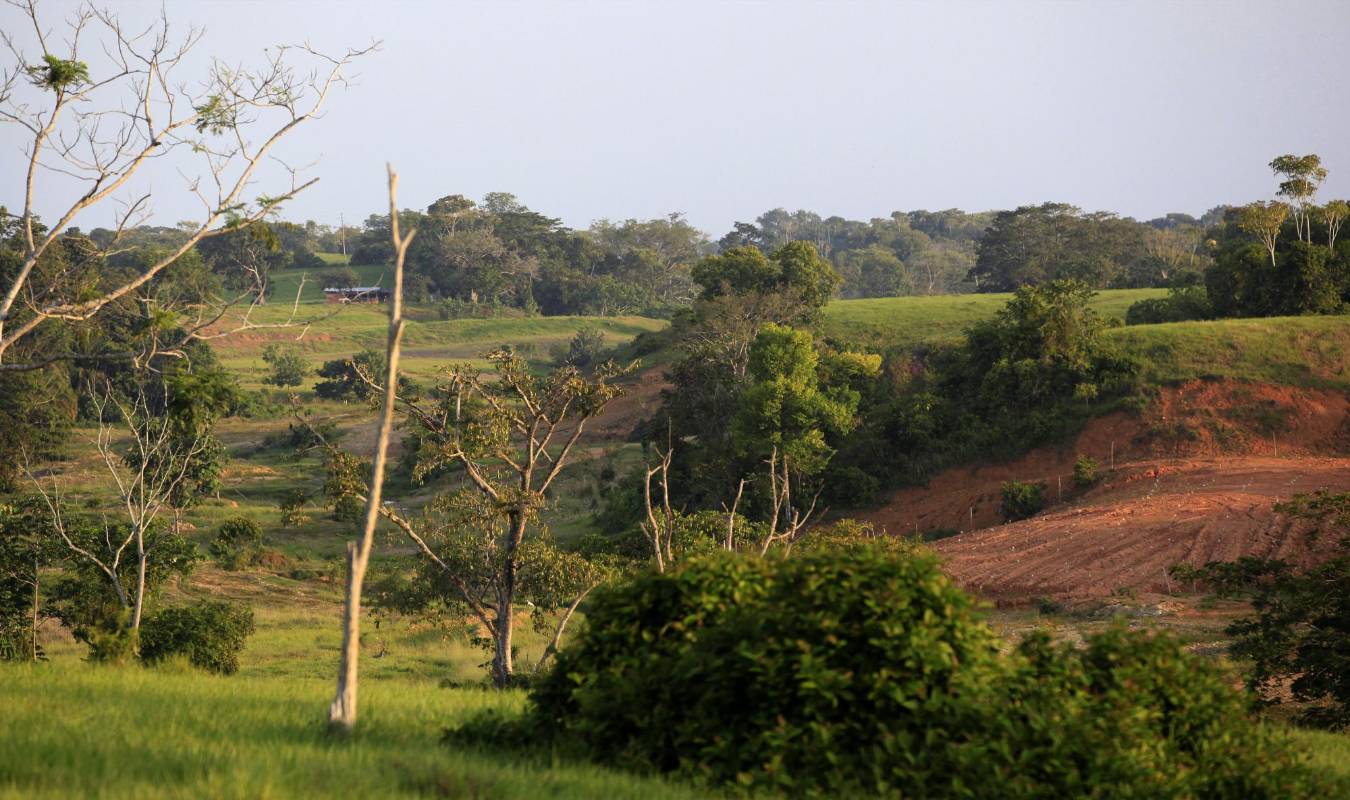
(429, 343)
(1293, 351)
(887, 322)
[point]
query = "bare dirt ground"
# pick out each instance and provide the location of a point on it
(1126, 534)
(1195, 480)
(641, 398)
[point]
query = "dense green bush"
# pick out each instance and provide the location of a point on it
(826, 669)
(235, 542)
(1182, 304)
(862, 671)
(1129, 715)
(209, 634)
(1086, 472)
(1022, 500)
(583, 350)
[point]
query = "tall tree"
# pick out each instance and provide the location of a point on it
(1303, 176)
(342, 711)
(1264, 221)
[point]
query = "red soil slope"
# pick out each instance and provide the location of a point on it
(1195, 480)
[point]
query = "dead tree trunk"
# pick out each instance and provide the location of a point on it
(342, 711)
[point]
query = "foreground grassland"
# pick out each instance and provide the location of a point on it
(76, 730)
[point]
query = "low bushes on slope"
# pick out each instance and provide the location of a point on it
(864, 671)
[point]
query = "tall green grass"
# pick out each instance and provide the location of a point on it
(70, 729)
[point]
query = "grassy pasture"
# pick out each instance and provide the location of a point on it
(896, 322)
(429, 343)
(78, 730)
(1292, 351)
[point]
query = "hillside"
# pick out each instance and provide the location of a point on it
(429, 342)
(1195, 477)
(884, 323)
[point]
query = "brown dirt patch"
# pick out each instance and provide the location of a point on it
(641, 398)
(1196, 420)
(1196, 476)
(1125, 534)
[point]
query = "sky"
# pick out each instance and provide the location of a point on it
(723, 110)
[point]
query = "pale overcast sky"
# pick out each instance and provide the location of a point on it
(723, 110)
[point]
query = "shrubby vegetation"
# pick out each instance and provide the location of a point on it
(861, 669)
(1299, 633)
(236, 542)
(210, 635)
(1021, 500)
(1024, 378)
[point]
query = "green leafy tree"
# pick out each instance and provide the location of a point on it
(350, 378)
(509, 438)
(784, 407)
(1303, 176)
(286, 367)
(873, 271)
(795, 270)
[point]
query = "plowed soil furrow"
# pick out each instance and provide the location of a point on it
(1195, 480)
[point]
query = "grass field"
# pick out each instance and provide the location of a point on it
(893, 322)
(76, 730)
(1293, 351)
(429, 343)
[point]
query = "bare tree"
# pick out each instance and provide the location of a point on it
(787, 522)
(342, 711)
(102, 126)
(146, 474)
(659, 525)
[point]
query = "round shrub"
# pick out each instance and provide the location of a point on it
(235, 542)
(834, 670)
(1129, 715)
(1086, 472)
(209, 634)
(1022, 500)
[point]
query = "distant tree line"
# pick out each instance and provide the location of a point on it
(1267, 258)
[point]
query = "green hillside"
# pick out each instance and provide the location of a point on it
(886, 322)
(1295, 351)
(429, 342)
